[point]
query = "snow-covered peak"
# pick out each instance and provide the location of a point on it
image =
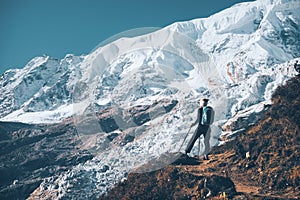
(44, 84)
(235, 44)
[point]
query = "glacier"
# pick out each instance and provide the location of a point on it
(236, 58)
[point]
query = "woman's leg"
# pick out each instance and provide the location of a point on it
(195, 136)
(206, 143)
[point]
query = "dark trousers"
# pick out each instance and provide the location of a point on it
(201, 129)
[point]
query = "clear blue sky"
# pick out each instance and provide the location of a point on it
(30, 28)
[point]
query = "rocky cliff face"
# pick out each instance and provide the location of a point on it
(32, 153)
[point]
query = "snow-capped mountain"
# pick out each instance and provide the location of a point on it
(44, 85)
(238, 42)
(236, 58)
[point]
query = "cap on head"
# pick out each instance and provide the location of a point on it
(204, 99)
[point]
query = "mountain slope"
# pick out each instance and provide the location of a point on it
(262, 162)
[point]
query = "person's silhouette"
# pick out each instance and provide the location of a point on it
(205, 117)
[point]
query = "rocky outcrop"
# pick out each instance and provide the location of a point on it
(172, 182)
(266, 154)
(30, 153)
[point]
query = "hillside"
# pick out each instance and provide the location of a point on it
(262, 163)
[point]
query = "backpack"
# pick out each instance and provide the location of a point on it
(207, 115)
